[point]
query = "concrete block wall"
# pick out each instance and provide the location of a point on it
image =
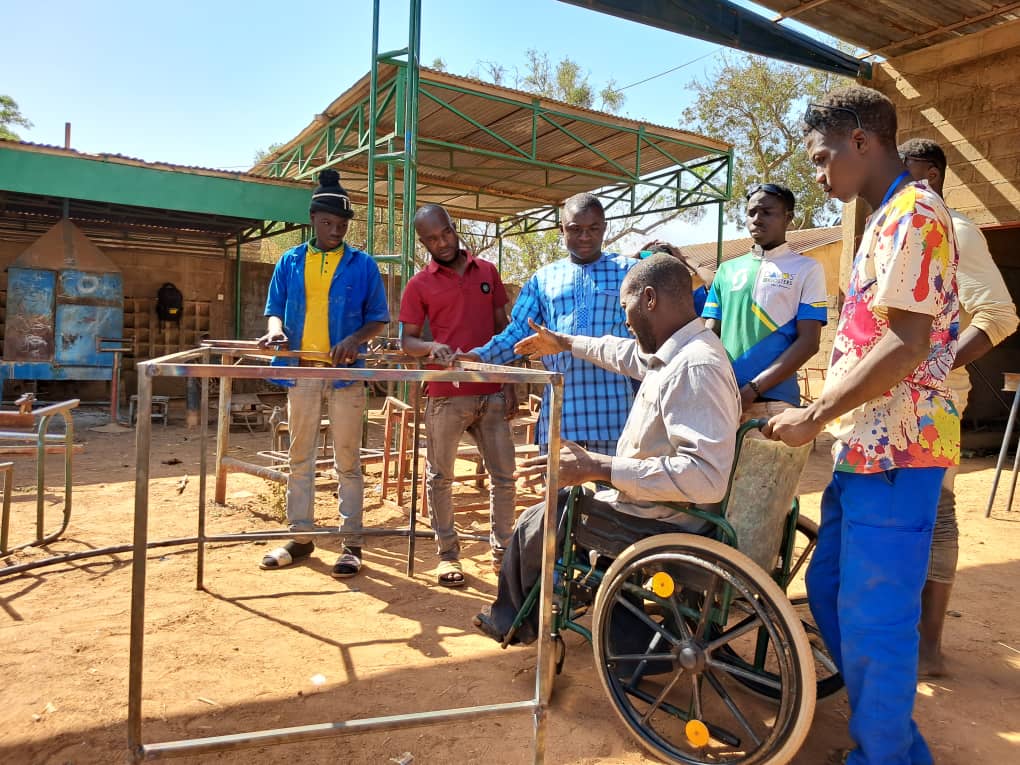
(964, 94)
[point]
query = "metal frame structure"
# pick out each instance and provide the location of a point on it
(198, 363)
(490, 153)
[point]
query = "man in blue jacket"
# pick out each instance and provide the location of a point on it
(325, 296)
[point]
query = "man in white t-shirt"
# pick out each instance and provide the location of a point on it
(768, 306)
(987, 317)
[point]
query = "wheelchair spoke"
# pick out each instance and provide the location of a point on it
(752, 622)
(759, 677)
(719, 734)
(654, 706)
(643, 659)
(706, 612)
(696, 695)
(731, 705)
(641, 615)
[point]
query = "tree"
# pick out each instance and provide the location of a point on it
(10, 114)
(755, 104)
(564, 81)
(261, 154)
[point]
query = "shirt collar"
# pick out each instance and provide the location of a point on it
(313, 250)
(433, 267)
(676, 342)
(775, 252)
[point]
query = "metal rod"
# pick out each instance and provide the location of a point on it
(546, 650)
(7, 468)
(143, 438)
(373, 100)
(237, 291)
(235, 465)
(1004, 449)
(203, 475)
(196, 746)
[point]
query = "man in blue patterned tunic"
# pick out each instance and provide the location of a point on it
(578, 295)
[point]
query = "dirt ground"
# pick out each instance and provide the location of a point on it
(262, 650)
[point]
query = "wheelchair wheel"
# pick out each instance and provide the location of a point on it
(665, 624)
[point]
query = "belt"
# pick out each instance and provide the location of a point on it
(308, 363)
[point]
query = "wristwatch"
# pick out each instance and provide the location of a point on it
(754, 387)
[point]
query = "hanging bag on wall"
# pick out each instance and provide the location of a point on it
(169, 303)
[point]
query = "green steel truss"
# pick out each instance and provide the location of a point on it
(506, 175)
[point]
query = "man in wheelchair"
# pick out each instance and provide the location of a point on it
(677, 444)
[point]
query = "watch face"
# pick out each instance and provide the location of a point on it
(486, 288)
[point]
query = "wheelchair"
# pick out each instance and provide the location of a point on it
(700, 651)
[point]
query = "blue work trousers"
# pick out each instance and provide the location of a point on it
(864, 586)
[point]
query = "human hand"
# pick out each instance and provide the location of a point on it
(467, 356)
(442, 354)
(272, 338)
(544, 342)
(346, 351)
(576, 466)
(747, 397)
(794, 427)
(510, 397)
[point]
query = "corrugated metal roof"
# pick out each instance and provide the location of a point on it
(801, 240)
(476, 150)
(891, 27)
(42, 148)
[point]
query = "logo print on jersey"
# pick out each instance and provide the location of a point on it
(739, 280)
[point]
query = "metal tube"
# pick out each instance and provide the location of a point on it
(373, 104)
(1004, 449)
(203, 474)
(234, 465)
(7, 468)
(234, 741)
(40, 478)
(143, 438)
(237, 291)
(546, 650)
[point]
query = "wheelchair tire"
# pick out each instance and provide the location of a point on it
(674, 629)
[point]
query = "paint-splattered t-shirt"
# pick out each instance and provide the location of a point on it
(906, 260)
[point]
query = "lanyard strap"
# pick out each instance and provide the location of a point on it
(892, 187)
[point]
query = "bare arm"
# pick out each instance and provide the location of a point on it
(895, 356)
(413, 345)
(714, 325)
(346, 351)
(809, 333)
(974, 344)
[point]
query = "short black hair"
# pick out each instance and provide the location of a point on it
(775, 190)
(668, 275)
(584, 202)
(924, 149)
(431, 209)
(853, 106)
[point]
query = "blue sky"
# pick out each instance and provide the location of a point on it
(209, 83)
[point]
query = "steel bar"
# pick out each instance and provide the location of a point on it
(226, 372)
(7, 468)
(143, 438)
(1004, 450)
(203, 476)
(222, 432)
(234, 465)
(544, 674)
(234, 741)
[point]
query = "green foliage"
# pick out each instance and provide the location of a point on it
(261, 154)
(564, 81)
(755, 104)
(438, 64)
(10, 115)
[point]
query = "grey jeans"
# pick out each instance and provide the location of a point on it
(346, 407)
(447, 418)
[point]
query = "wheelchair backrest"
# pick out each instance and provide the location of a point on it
(764, 484)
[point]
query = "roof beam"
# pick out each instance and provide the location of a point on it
(722, 22)
(947, 28)
(793, 12)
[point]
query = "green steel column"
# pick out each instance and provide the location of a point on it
(372, 106)
(411, 138)
(718, 237)
(391, 202)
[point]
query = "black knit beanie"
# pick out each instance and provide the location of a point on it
(330, 196)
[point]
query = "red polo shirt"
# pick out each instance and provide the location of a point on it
(459, 310)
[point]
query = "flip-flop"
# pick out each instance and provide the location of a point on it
(450, 573)
(292, 552)
(347, 565)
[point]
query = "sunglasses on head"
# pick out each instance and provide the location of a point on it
(768, 188)
(810, 119)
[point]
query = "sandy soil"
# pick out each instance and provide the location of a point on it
(272, 649)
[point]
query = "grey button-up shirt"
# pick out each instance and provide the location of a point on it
(677, 444)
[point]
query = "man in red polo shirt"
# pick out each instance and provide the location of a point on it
(464, 301)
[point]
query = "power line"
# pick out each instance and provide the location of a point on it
(670, 71)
